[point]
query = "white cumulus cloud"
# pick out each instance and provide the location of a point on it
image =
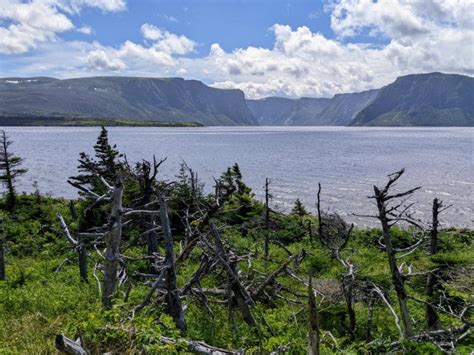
(32, 22)
(99, 59)
(409, 37)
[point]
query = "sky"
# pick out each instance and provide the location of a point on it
(263, 47)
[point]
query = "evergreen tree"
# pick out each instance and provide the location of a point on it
(240, 206)
(106, 164)
(9, 169)
(299, 209)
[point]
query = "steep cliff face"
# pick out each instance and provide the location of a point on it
(278, 111)
(433, 99)
(337, 111)
(343, 108)
(170, 99)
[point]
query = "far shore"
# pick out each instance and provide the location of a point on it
(89, 122)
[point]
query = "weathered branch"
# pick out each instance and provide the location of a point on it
(69, 346)
(199, 347)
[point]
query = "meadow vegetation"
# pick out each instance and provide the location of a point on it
(169, 268)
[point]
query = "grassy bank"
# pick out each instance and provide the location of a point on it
(44, 296)
(139, 264)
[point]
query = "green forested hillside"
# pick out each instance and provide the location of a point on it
(434, 99)
(159, 99)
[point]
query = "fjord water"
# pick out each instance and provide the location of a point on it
(347, 161)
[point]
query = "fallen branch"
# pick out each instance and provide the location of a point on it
(199, 347)
(68, 346)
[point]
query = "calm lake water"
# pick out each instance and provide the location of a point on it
(347, 161)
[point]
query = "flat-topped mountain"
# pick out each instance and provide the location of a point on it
(434, 99)
(170, 99)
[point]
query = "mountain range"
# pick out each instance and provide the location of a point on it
(433, 99)
(169, 99)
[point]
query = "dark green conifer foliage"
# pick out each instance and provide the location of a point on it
(241, 205)
(9, 170)
(106, 164)
(299, 209)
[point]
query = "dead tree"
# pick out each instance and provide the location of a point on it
(222, 194)
(239, 292)
(313, 322)
(199, 347)
(334, 234)
(78, 245)
(173, 301)
(112, 242)
(2, 260)
(68, 346)
(432, 318)
(267, 219)
(145, 172)
(388, 215)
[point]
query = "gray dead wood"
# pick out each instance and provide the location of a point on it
(313, 322)
(173, 301)
(112, 245)
(267, 219)
(199, 347)
(196, 234)
(2, 260)
(334, 234)
(240, 293)
(432, 318)
(388, 216)
(68, 346)
(270, 278)
(79, 247)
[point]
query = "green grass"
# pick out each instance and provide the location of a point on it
(38, 301)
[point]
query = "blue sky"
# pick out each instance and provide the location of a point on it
(264, 47)
(231, 23)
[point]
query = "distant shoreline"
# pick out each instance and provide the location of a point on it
(22, 121)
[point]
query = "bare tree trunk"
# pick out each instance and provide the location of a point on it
(313, 324)
(173, 301)
(348, 295)
(82, 253)
(370, 313)
(240, 293)
(78, 246)
(112, 242)
(152, 237)
(397, 278)
(310, 231)
(2, 260)
(432, 318)
(267, 219)
(434, 229)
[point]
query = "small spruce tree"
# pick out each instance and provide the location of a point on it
(9, 170)
(299, 209)
(107, 163)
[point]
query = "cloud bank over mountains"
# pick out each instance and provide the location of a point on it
(373, 43)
